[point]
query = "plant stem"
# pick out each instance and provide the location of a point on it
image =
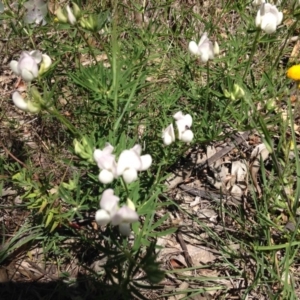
(276, 247)
(252, 53)
(88, 44)
(125, 186)
(114, 42)
(207, 90)
(279, 56)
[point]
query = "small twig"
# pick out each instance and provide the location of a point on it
(13, 157)
(187, 257)
(40, 270)
(201, 193)
(209, 195)
(237, 140)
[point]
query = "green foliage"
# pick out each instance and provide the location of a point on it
(119, 82)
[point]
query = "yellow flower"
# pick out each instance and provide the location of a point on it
(294, 72)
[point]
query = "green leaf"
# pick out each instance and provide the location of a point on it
(54, 225)
(147, 207)
(49, 218)
(159, 222)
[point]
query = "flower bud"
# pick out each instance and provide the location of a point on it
(227, 94)
(71, 17)
(271, 104)
(45, 65)
(78, 148)
(76, 11)
(216, 48)
(130, 204)
(36, 96)
(238, 92)
(89, 23)
(83, 149)
(71, 185)
(61, 16)
(74, 14)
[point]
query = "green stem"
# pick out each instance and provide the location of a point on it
(207, 103)
(125, 186)
(279, 56)
(114, 42)
(86, 41)
(28, 34)
(276, 247)
(252, 53)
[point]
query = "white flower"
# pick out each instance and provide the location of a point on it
(102, 217)
(36, 11)
(25, 105)
(19, 101)
(109, 207)
(146, 159)
(258, 2)
(268, 18)
(130, 162)
(111, 213)
(27, 66)
(184, 123)
(205, 49)
(168, 135)
(109, 201)
(106, 162)
(124, 217)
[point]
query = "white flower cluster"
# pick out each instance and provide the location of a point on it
(130, 162)
(183, 123)
(110, 212)
(29, 66)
